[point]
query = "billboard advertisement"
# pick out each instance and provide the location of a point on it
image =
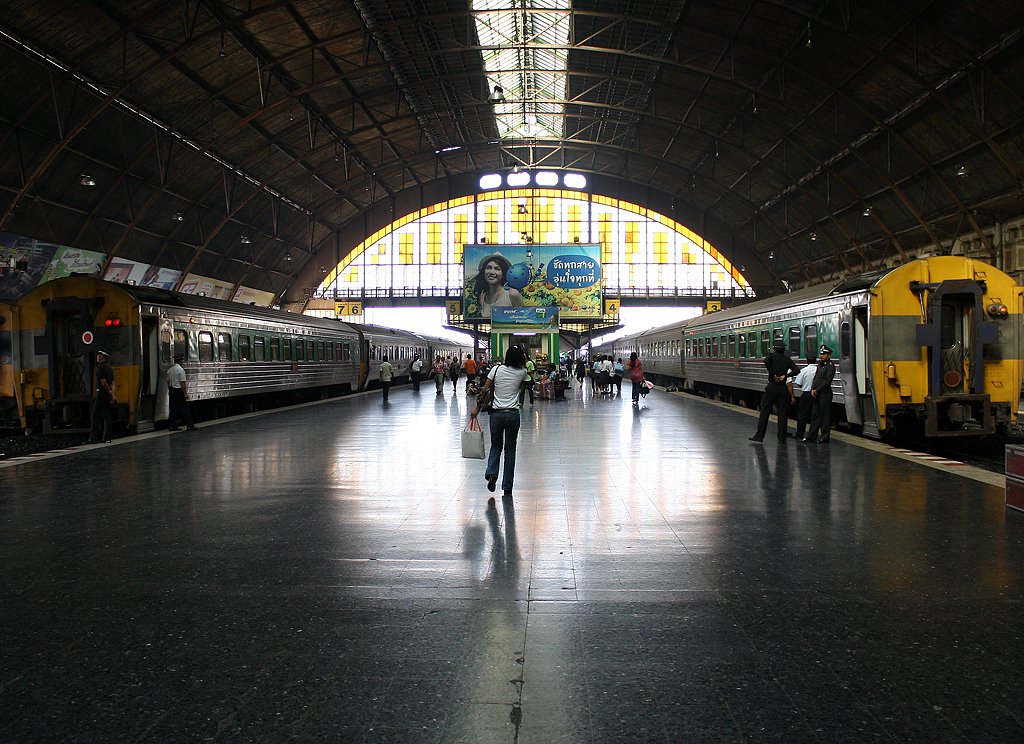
(566, 277)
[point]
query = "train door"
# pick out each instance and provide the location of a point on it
(71, 367)
(954, 375)
(149, 384)
(860, 393)
(364, 362)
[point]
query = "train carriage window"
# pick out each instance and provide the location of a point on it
(320, 353)
(224, 347)
(300, 350)
(700, 347)
(687, 347)
(714, 347)
(777, 338)
(286, 349)
(205, 346)
(794, 341)
(741, 351)
(310, 352)
(810, 341)
(259, 349)
(275, 350)
(752, 344)
(766, 343)
(330, 351)
(845, 340)
(244, 348)
(732, 345)
(180, 342)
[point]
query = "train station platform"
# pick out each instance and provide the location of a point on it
(336, 572)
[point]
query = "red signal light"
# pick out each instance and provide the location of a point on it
(109, 323)
(112, 322)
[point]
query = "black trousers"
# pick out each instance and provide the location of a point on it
(385, 386)
(415, 381)
(102, 422)
(821, 418)
(179, 412)
(776, 395)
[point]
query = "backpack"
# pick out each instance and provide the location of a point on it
(619, 369)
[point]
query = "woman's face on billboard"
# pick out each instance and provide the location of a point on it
(493, 273)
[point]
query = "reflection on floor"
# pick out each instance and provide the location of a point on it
(337, 573)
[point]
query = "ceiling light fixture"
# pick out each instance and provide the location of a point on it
(814, 236)
(245, 239)
(963, 171)
(867, 211)
(771, 255)
(522, 209)
(179, 216)
(87, 180)
(287, 256)
(497, 95)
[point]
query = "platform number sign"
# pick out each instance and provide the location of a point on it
(454, 308)
(714, 306)
(348, 309)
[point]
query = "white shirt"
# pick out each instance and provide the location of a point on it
(606, 366)
(417, 365)
(175, 376)
(804, 378)
(507, 381)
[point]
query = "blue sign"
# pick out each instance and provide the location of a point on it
(532, 316)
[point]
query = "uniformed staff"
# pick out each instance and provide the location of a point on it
(177, 396)
(821, 389)
(106, 396)
(777, 393)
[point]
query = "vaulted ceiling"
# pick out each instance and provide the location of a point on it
(804, 138)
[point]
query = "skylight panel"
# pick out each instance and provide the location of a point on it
(526, 52)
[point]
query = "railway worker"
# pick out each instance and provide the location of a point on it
(416, 370)
(805, 403)
(777, 392)
(177, 396)
(386, 374)
(102, 428)
(821, 389)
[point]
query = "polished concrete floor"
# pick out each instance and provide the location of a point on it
(336, 573)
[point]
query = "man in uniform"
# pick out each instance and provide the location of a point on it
(777, 393)
(386, 374)
(102, 426)
(821, 389)
(177, 396)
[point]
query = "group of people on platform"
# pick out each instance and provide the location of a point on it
(809, 389)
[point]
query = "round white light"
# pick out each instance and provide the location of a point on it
(490, 181)
(517, 179)
(547, 178)
(575, 181)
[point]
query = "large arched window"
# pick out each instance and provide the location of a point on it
(644, 253)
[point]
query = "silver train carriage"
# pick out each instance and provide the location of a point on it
(936, 342)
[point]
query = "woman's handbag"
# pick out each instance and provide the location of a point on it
(485, 398)
(645, 387)
(473, 440)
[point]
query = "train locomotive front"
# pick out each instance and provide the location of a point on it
(944, 346)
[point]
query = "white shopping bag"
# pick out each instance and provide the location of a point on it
(473, 440)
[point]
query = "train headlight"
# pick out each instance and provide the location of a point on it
(997, 310)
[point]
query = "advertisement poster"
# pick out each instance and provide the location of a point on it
(248, 295)
(145, 275)
(567, 277)
(26, 261)
(526, 318)
(204, 285)
(70, 261)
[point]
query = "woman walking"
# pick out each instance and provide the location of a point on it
(438, 371)
(507, 380)
(636, 375)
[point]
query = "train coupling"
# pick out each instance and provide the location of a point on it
(959, 415)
